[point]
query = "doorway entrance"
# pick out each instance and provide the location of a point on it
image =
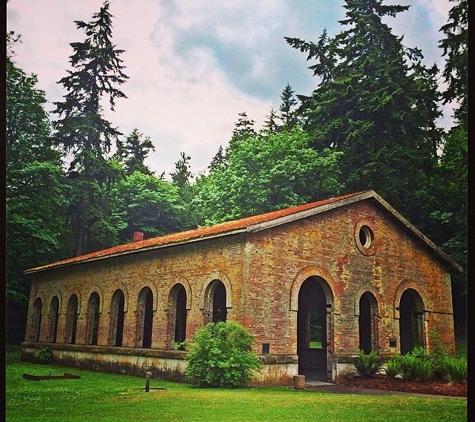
(312, 329)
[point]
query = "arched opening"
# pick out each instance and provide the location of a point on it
(53, 318)
(92, 332)
(145, 318)
(36, 320)
(72, 319)
(180, 315)
(411, 321)
(313, 328)
(368, 323)
(218, 302)
(117, 318)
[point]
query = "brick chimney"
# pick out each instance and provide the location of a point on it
(138, 236)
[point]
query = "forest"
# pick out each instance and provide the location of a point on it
(76, 184)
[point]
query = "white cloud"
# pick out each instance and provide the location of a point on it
(195, 65)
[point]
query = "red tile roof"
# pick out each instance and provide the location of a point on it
(247, 224)
(191, 235)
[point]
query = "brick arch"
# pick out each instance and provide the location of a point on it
(216, 275)
(171, 285)
(138, 292)
(60, 301)
(125, 290)
(88, 294)
(360, 293)
(76, 292)
(400, 289)
(43, 303)
(304, 274)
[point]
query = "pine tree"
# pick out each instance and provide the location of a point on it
(133, 152)
(375, 102)
(82, 131)
(287, 108)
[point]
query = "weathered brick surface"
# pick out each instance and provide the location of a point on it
(262, 272)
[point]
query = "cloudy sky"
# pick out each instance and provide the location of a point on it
(194, 65)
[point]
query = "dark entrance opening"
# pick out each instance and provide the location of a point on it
(411, 321)
(53, 318)
(312, 330)
(148, 318)
(117, 318)
(368, 323)
(180, 321)
(72, 319)
(220, 311)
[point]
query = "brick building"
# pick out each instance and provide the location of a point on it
(314, 284)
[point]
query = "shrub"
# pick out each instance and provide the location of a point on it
(422, 369)
(392, 368)
(455, 369)
(407, 364)
(44, 354)
(221, 356)
(367, 365)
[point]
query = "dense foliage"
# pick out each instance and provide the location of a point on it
(221, 356)
(370, 123)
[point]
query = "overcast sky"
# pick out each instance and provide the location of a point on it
(194, 65)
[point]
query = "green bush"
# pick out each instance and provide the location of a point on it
(455, 369)
(407, 365)
(44, 354)
(221, 356)
(367, 365)
(392, 368)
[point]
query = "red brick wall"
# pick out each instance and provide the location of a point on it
(262, 272)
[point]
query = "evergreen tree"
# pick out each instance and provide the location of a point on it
(455, 50)
(287, 107)
(84, 133)
(244, 128)
(133, 152)
(36, 189)
(375, 102)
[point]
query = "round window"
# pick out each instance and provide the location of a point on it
(366, 237)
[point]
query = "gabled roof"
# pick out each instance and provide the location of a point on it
(254, 224)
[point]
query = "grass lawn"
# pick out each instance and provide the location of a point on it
(98, 397)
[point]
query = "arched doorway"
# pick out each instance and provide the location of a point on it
(36, 321)
(180, 315)
(145, 318)
(72, 319)
(92, 332)
(411, 321)
(117, 318)
(218, 309)
(313, 328)
(368, 322)
(53, 318)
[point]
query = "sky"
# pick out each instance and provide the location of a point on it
(194, 65)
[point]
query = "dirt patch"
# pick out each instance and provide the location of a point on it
(434, 387)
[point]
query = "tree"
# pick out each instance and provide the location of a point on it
(287, 110)
(133, 152)
(148, 204)
(451, 191)
(221, 356)
(266, 172)
(82, 131)
(35, 185)
(244, 128)
(455, 50)
(375, 102)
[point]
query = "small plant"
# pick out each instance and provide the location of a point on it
(455, 369)
(407, 364)
(422, 369)
(367, 365)
(392, 368)
(44, 354)
(221, 356)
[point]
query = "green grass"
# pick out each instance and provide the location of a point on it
(98, 397)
